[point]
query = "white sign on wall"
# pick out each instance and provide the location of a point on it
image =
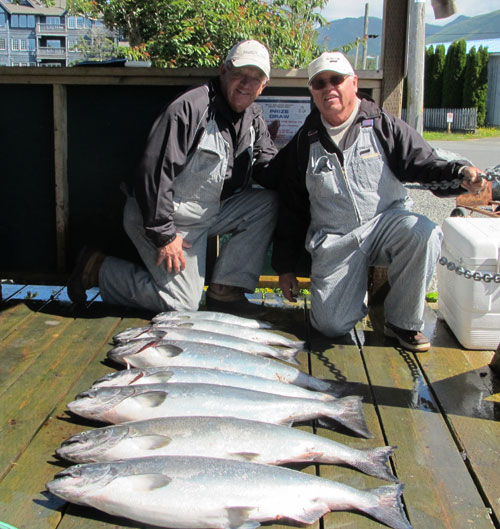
(286, 113)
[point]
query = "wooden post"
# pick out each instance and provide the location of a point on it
(61, 172)
(394, 52)
(495, 361)
(416, 61)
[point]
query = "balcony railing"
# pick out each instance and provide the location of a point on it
(51, 52)
(51, 29)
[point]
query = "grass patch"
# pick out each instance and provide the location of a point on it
(483, 132)
(431, 297)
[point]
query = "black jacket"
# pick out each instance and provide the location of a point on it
(409, 156)
(176, 133)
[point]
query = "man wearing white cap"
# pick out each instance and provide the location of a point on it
(342, 196)
(194, 182)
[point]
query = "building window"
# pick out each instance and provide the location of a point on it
(53, 43)
(80, 22)
(14, 44)
(22, 21)
(53, 21)
(31, 44)
(2, 20)
(24, 44)
(3, 44)
(71, 22)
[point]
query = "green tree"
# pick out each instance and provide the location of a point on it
(199, 33)
(434, 64)
(476, 82)
(471, 78)
(438, 69)
(453, 74)
(482, 87)
(428, 76)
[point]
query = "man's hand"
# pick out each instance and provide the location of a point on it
(289, 286)
(473, 181)
(172, 255)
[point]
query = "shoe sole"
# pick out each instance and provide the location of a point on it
(421, 348)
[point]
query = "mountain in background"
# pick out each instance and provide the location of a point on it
(345, 31)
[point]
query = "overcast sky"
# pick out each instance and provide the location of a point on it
(356, 8)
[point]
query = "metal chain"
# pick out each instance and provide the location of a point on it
(469, 274)
(490, 174)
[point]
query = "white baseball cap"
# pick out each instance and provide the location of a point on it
(250, 53)
(330, 61)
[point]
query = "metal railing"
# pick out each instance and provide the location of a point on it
(51, 52)
(51, 29)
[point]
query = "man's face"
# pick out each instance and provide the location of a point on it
(242, 86)
(334, 95)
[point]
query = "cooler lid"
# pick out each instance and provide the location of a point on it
(473, 240)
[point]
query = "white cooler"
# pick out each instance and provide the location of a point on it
(471, 308)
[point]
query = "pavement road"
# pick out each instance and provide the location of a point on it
(483, 153)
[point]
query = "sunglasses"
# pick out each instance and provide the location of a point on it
(334, 80)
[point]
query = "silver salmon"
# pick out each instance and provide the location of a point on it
(131, 403)
(211, 315)
(212, 338)
(159, 353)
(201, 375)
(254, 335)
(225, 437)
(202, 492)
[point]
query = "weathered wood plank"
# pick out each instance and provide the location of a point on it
(343, 365)
(23, 502)
(440, 492)
(12, 314)
(467, 389)
(30, 339)
(36, 391)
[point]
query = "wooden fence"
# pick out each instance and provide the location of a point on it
(464, 119)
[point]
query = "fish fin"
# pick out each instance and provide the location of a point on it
(389, 508)
(311, 456)
(152, 442)
(238, 518)
(151, 399)
(376, 463)
(309, 515)
(348, 412)
(247, 456)
(147, 482)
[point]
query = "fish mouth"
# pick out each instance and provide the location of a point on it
(87, 446)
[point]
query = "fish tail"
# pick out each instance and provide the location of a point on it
(349, 412)
(299, 345)
(389, 507)
(289, 355)
(376, 463)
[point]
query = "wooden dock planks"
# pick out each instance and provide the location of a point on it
(436, 407)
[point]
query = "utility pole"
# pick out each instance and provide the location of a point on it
(357, 52)
(365, 37)
(416, 61)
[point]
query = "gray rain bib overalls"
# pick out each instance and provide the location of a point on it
(249, 215)
(359, 218)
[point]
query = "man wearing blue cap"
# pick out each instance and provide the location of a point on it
(195, 181)
(342, 196)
